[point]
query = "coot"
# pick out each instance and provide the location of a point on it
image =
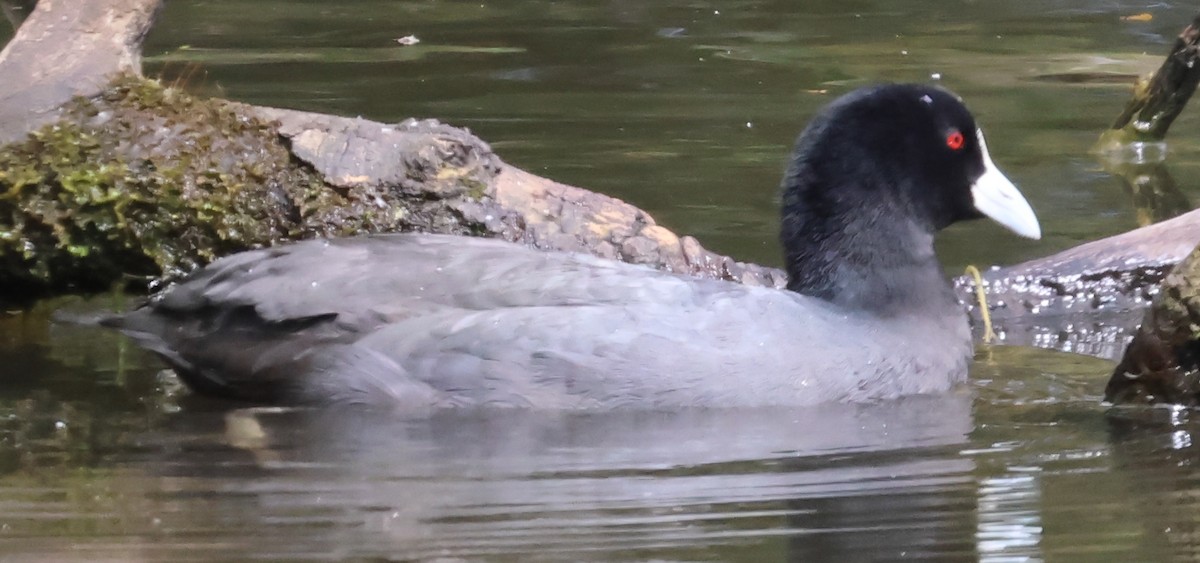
(429, 321)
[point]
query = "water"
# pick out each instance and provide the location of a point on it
(104, 450)
(687, 110)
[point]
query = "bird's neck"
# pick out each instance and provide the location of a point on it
(873, 263)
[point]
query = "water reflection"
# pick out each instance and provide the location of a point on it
(1008, 517)
(1157, 449)
(99, 449)
(835, 481)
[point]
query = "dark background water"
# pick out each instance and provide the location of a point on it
(685, 109)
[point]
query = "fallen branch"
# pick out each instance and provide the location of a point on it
(1160, 98)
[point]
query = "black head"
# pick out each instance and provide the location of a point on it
(876, 173)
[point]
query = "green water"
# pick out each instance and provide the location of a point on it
(685, 109)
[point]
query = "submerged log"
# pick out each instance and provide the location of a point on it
(1088, 299)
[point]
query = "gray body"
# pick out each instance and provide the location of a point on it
(438, 321)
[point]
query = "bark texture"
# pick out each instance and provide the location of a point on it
(1162, 364)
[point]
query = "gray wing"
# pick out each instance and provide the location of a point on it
(424, 320)
(387, 277)
(610, 356)
(260, 325)
(733, 346)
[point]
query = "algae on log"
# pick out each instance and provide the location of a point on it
(146, 182)
(1162, 364)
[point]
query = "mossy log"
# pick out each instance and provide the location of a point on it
(108, 177)
(1162, 364)
(143, 182)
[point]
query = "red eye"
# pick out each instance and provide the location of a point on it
(955, 140)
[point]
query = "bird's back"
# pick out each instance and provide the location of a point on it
(426, 320)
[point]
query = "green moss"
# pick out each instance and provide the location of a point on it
(475, 189)
(1162, 364)
(146, 182)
